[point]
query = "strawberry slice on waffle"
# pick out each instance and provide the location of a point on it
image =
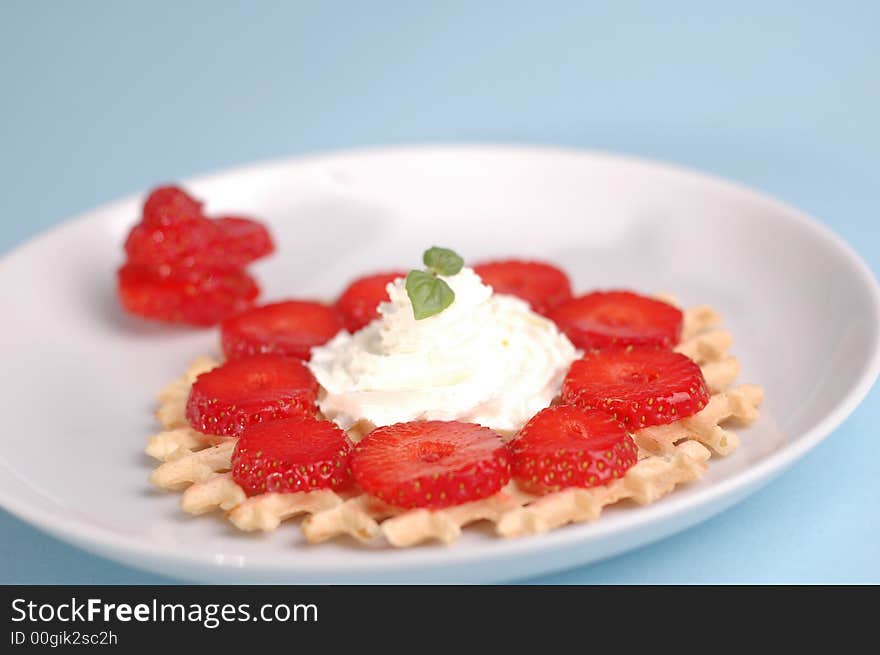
(640, 387)
(249, 391)
(615, 319)
(431, 464)
(291, 455)
(565, 446)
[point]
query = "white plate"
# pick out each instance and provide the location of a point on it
(80, 377)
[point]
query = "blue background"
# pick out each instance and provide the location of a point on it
(103, 99)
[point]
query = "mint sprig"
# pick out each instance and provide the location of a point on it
(429, 294)
(442, 261)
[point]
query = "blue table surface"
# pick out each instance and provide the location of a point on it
(103, 99)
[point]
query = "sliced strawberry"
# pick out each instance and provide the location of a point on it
(638, 386)
(179, 244)
(174, 232)
(543, 285)
(359, 302)
(242, 240)
(605, 319)
(431, 464)
(167, 205)
(185, 268)
(565, 446)
(289, 328)
(192, 297)
(248, 391)
(290, 455)
(229, 243)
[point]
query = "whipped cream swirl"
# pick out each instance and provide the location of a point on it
(487, 359)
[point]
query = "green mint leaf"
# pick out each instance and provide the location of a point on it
(442, 261)
(429, 294)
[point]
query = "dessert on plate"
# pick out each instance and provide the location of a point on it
(425, 400)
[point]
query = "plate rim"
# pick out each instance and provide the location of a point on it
(105, 541)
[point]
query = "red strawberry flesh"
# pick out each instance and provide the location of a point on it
(167, 205)
(198, 298)
(564, 446)
(248, 391)
(292, 455)
(431, 464)
(180, 244)
(242, 240)
(358, 304)
(542, 285)
(182, 267)
(640, 387)
(290, 328)
(606, 319)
